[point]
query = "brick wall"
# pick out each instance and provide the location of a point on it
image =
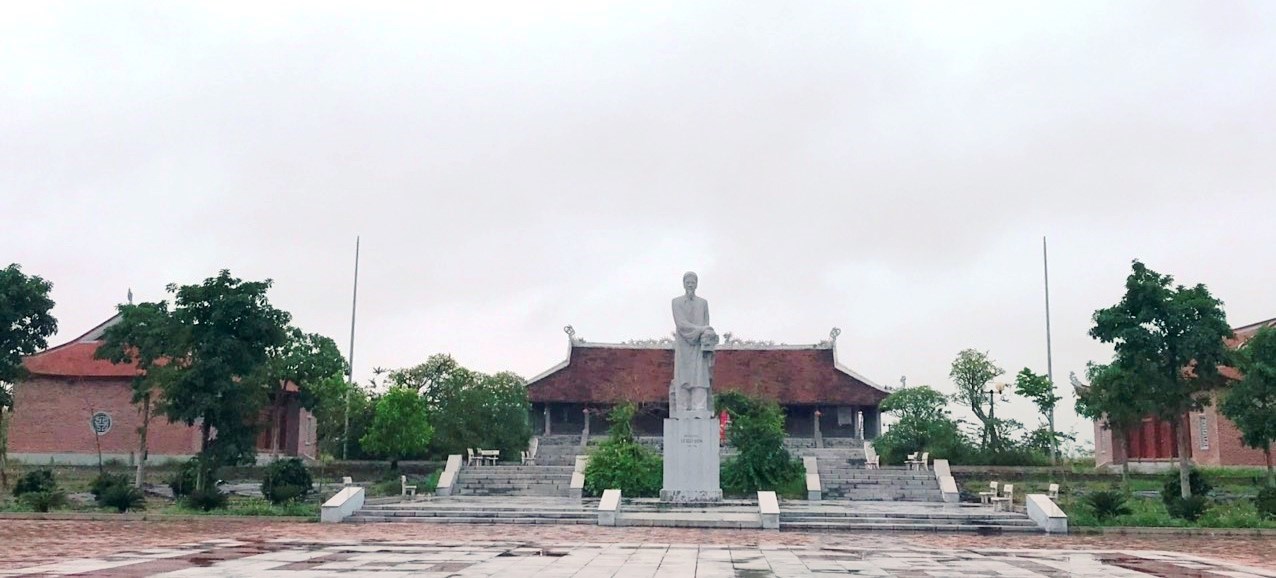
(51, 416)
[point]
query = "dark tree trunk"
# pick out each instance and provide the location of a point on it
(1271, 474)
(141, 446)
(1125, 462)
(201, 477)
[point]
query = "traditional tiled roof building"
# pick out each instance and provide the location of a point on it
(72, 405)
(807, 380)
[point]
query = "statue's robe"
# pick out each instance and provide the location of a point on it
(691, 370)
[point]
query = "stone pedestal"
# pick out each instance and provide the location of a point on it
(691, 461)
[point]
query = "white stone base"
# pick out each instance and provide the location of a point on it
(691, 461)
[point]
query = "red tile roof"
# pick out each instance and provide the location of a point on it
(1242, 334)
(75, 359)
(791, 375)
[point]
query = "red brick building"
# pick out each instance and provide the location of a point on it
(806, 380)
(71, 404)
(1215, 439)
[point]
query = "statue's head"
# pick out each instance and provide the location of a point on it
(689, 281)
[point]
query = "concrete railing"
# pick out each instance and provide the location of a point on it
(1046, 514)
(814, 491)
(577, 489)
(609, 508)
(947, 485)
(342, 505)
(447, 480)
(769, 510)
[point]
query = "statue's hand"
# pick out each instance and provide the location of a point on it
(708, 338)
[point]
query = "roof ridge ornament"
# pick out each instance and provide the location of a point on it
(571, 334)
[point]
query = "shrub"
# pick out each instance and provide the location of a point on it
(122, 497)
(1190, 509)
(105, 481)
(622, 463)
(183, 480)
(1238, 514)
(207, 499)
(1266, 502)
(35, 481)
(757, 432)
(286, 481)
(1106, 504)
(44, 500)
(1172, 491)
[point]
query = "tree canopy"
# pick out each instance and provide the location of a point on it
(1251, 402)
(1040, 391)
(972, 371)
(924, 426)
(212, 344)
(401, 426)
(26, 321)
(1172, 338)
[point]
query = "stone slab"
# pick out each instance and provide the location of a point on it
(1046, 514)
(342, 505)
(691, 458)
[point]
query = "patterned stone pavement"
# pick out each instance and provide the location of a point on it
(263, 548)
(338, 559)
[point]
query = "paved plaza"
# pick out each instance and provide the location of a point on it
(264, 548)
(293, 558)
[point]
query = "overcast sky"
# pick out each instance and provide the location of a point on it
(886, 168)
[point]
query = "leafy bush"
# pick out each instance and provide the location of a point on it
(35, 481)
(105, 481)
(757, 433)
(44, 500)
(183, 480)
(1106, 504)
(207, 499)
(122, 497)
(1190, 509)
(1266, 502)
(1172, 491)
(286, 481)
(622, 463)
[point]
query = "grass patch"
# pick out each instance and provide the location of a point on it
(250, 507)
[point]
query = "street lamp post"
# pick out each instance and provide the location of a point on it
(994, 389)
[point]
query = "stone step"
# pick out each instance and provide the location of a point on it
(360, 518)
(919, 527)
(796, 519)
(464, 513)
(733, 520)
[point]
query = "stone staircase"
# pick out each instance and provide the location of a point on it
(478, 510)
(560, 450)
(844, 481)
(510, 480)
(796, 515)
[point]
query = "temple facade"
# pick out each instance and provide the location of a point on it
(72, 406)
(821, 397)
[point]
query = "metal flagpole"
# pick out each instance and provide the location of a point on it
(1045, 266)
(354, 302)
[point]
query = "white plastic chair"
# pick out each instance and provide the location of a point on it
(924, 463)
(406, 489)
(470, 459)
(1053, 492)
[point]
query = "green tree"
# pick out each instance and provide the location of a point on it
(306, 362)
(26, 322)
(1118, 398)
(924, 424)
(1173, 336)
(761, 462)
(1251, 402)
(1040, 391)
(142, 336)
(470, 409)
(401, 428)
(972, 371)
(216, 338)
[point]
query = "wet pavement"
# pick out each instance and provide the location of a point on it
(256, 548)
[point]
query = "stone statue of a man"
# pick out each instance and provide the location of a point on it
(693, 347)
